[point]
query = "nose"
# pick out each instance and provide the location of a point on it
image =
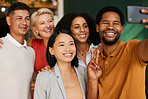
(110, 26)
(82, 29)
(24, 21)
(67, 48)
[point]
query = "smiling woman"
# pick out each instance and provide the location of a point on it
(68, 79)
(42, 26)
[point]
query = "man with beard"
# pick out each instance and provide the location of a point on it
(16, 59)
(118, 71)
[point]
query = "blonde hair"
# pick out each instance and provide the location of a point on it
(34, 18)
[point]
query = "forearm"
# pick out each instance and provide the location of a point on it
(92, 90)
(143, 49)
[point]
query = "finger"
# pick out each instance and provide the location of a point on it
(93, 63)
(144, 11)
(97, 58)
(92, 53)
(145, 20)
(49, 68)
(1, 41)
(146, 26)
(42, 70)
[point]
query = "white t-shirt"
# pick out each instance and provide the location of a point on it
(88, 56)
(16, 69)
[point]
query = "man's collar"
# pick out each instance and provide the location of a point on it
(10, 38)
(116, 50)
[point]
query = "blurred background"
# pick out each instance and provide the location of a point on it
(61, 7)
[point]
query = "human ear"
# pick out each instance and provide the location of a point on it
(8, 19)
(51, 51)
(34, 29)
(97, 27)
(121, 29)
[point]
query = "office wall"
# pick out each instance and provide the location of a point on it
(131, 31)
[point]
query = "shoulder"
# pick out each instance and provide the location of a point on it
(82, 70)
(132, 43)
(46, 75)
(36, 42)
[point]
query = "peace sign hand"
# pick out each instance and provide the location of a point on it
(94, 71)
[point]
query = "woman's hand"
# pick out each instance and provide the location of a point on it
(1, 42)
(47, 68)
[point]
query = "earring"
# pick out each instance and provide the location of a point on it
(52, 56)
(37, 33)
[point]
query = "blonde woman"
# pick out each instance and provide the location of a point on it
(42, 26)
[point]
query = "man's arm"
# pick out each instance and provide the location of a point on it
(143, 45)
(92, 89)
(143, 50)
(145, 21)
(94, 72)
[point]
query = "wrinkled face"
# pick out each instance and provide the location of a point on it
(44, 25)
(19, 22)
(80, 29)
(110, 28)
(64, 48)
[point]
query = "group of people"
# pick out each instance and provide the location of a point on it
(88, 58)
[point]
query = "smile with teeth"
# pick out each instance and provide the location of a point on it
(23, 28)
(83, 35)
(47, 31)
(110, 33)
(67, 54)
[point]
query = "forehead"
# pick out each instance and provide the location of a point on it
(44, 16)
(78, 20)
(63, 38)
(110, 16)
(20, 13)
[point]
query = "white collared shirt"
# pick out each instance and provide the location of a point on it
(88, 56)
(9, 37)
(16, 69)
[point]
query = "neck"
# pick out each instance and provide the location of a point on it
(45, 41)
(19, 38)
(65, 67)
(83, 47)
(110, 49)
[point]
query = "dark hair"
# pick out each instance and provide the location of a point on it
(109, 9)
(66, 21)
(17, 6)
(51, 58)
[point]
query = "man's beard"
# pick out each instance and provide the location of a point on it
(106, 42)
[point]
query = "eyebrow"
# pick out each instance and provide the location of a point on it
(64, 42)
(79, 24)
(107, 20)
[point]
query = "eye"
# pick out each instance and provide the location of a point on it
(41, 23)
(116, 23)
(28, 18)
(86, 26)
(19, 18)
(50, 21)
(61, 45)
(76, 27)
(105, 23)
(71, 43)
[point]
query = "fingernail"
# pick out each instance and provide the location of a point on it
(144, 20)
(142, 10)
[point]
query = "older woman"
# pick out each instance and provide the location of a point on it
(42, 26)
